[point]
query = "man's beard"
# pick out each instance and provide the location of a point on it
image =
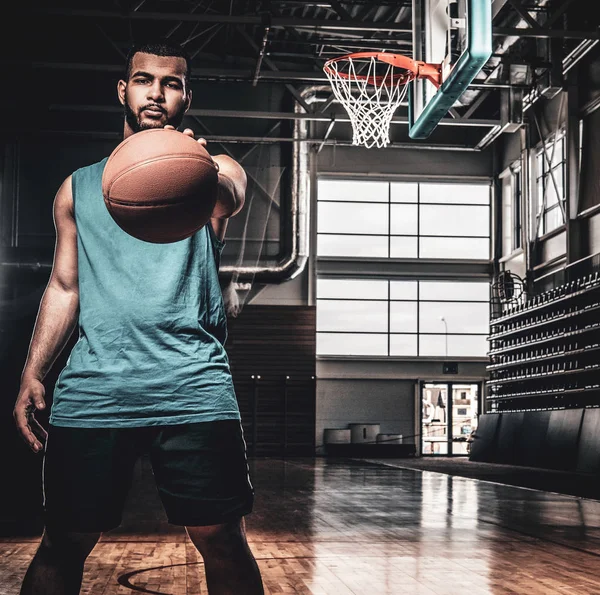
(136, 125)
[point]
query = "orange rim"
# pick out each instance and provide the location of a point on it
(414, 69)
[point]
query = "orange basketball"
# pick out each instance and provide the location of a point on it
(160, 185)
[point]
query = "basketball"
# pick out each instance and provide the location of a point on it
(160, 185)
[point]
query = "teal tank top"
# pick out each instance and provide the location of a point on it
(152, 326)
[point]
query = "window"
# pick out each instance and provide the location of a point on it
(511, 209)
(382, 317)
(516, 208)
(550, 165)
(367, 219)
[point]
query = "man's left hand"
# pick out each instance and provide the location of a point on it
(188, 132)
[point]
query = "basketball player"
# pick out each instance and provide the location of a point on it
(149, 373)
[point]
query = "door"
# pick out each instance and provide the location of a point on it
(448, 416)
(465, 399)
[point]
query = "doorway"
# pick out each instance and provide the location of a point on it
(449, 413)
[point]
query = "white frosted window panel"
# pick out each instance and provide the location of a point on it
(452, 290)
(541, 162)
(557, 172)
(358, 246)
(405, 220)
(465, 248)
(353, 190)
(551, 195)
(403, 247)
(460, 317)
(403, 317)
(338, 315)
(558, 155)
(403, 345)
(507, 219)
(404, 192)
(552, 219)
(540, 193)
(458, 345)
(471, 194)
(453, 220)
(403, 290)
(352, 288)
(351, 344)
(352, 218)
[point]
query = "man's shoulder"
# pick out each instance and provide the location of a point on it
(92, 167)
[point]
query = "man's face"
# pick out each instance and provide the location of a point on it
(156, 93)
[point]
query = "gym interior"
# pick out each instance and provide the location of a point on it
(413, 329)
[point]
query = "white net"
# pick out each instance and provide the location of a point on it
(371, 91)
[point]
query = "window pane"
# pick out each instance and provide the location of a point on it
(368, 316)
(352, 288)
(540, 188)
(349, 344)
(404, 192)
(558, 177)
(540, 163)
(359, 246)
(553, 219)
(451, 290)
(458, 345)
(454, 220)
(403, 290)
(351, 190)
(403, 317)
(507, 216)
(404, 247)
(558, 155)
(475, 194)
(459, 318)
(352, 218)
(404, 219)
(551, 196)
(403, 345)
(475, 248)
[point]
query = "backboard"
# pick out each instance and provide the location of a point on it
(456, 34)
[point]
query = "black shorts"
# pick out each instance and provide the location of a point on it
(200, 469)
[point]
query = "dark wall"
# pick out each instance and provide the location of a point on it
(272, 353)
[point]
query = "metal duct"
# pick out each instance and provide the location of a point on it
(295, 232)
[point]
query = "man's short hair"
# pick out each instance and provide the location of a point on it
(160, 47)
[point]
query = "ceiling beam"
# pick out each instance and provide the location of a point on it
(292, 22)
(270, 115)
(249, 19)
(218, 73)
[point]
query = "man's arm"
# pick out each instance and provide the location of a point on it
(232, 193)
(57, 318)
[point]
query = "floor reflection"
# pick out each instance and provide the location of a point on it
(348, 527)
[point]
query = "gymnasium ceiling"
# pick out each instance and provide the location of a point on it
(65, 47)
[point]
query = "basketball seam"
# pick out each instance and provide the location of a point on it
(126, 203)
(161, 158)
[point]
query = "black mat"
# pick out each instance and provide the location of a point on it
(573, 484)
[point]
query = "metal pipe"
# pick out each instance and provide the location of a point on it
(269, 140)
(261, 55)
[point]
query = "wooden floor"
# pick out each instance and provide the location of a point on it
(334, 527)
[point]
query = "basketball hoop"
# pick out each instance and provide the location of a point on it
(371, 85)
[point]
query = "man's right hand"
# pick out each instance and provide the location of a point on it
(30, 399)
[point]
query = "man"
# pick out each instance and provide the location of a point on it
(149, 373)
